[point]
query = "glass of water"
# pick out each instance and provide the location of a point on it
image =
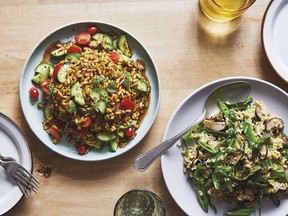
(139, 202)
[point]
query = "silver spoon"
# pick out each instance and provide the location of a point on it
(231, 92)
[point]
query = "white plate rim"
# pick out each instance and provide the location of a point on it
(151, 72)
(25, 159)
(268, 21)
(170, 160)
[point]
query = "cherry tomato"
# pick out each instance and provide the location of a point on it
(81, 132)
(83, 38)
(34, 93)
(92, 30)
(55, 133)
(82, 149)
(74, 49)
(114, 57)
(44, 85)
(87, 122)
(55, 72)
(129, 132)
(127, 104)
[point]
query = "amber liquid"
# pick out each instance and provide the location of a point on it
(224, 10)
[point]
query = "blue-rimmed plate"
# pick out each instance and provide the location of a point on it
(34, 117)
(188, 111)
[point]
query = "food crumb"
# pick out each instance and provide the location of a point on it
(44, 171)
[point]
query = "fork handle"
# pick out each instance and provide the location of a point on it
(143, 161)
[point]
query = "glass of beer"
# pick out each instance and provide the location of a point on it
(224, 10)
(139, 202)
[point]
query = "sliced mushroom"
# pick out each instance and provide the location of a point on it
(263, 151)
(214, 125)
(234, 157)
(275, 125)
(259, 112)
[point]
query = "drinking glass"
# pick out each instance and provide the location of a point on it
(224, 10)
(139, 202)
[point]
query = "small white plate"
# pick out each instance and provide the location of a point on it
(275, 36)
(34, 117)
(187, 112)
(13, 144)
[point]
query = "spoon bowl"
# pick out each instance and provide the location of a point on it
(232, 92)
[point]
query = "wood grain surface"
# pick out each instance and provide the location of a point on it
(189, 51)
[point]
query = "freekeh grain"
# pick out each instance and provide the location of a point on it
(81, 122)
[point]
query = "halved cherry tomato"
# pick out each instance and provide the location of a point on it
(74, 49)
(44, 85)
(127, 104)
(55, 72)
(129, 132)
(114, 57)
(87, 122)
(82, 149)
(34, 93)
(55, 133)
(81, 132)
(83, 38)
(92, 30)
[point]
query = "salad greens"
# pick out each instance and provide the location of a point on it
(238, 156)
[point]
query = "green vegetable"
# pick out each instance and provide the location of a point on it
(240, 211)
(76, 94)
(100, 98)
(124, 46)
(243, 162)
(202, 198)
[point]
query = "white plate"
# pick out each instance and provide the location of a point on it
(188, 111)
(275, 35)
(34, 117)
(13, 144)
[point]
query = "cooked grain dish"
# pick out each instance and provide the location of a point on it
(98, 96)
(238, 156)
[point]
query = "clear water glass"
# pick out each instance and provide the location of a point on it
(139, 202)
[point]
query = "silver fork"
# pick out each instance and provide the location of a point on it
(24, 179)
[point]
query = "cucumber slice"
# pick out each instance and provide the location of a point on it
(105, 40)
(43, 66)
(125, 60)
(47, 112)
(100, 97)
(76, 94)
(124, 46)
(142, 86)
(120, 133)
(71, 107)
(42, 74)
(58, 53)
(73, 57)
(61, 75)
(114, 146)
(105, 136)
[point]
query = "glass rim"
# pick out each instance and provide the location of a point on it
(141, 190)
(237, 10)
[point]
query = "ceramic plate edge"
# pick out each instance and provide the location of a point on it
(157, 91)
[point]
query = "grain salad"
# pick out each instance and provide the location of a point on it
(238, 156)
(94, 94)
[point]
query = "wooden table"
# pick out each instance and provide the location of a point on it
(189, 51)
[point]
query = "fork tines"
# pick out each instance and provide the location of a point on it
(26, 181)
